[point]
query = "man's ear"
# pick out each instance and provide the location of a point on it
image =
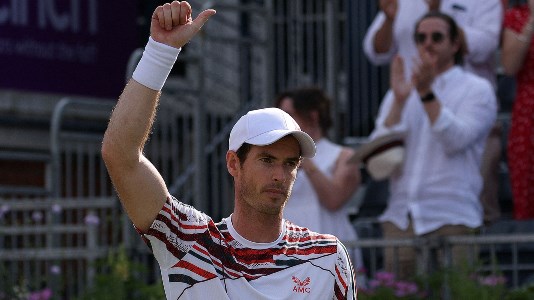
(232, 162)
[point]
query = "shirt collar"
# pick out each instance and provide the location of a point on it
(447, 76)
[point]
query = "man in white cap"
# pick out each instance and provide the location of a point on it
(252, 254)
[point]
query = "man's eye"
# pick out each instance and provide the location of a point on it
(266, 160)
(292, 164)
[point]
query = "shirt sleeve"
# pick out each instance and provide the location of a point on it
(174, 231)
(460, 127)
(345, 284)
(483, 32)
(368, 43)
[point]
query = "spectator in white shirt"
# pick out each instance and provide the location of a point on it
(480, 24)
(445, 114)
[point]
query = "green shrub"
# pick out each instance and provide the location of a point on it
(122, 281)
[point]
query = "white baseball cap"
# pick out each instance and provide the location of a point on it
(265, 126)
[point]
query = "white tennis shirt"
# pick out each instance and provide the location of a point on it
(200, 259)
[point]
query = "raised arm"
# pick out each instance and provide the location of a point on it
(378, 43)
(401, 89)
(384, 36)
(139, 185)
(515, 44)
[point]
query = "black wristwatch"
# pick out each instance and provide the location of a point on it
(428, 97)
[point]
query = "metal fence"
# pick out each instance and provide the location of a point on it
(53, 238)
(507, 255)
(55, 242)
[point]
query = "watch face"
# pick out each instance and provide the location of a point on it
(428, 97)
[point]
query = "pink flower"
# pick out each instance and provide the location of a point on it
(385, 278)
(55, 269)
(41, 295)
(3, 210)
(373, 283)
(37, 216)
(404, 288)
(492, 280)
(56, 208)
(92, 220)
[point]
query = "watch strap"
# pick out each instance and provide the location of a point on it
(428, 97)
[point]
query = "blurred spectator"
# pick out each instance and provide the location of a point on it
(326, 182)
(480, 26)
(446, 114)
(518, 60)
(480, 22)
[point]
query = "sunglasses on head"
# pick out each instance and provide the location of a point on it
(436, 37)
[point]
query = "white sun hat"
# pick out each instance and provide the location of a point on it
(383, 156)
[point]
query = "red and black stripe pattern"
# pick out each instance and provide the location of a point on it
(199, 250)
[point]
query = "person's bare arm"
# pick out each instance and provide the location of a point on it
(383, 39)
(334, 192)
(401, 90)
(139, 185)
(425, 71)
(515, 45)
(433, 5)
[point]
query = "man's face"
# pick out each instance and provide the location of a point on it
(432, 37)
(265, 179)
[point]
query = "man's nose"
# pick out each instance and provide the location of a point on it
(279, 174)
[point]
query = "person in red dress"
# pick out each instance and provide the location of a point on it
(518, 60)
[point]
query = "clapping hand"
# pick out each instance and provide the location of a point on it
(400, 86)
(424, 72)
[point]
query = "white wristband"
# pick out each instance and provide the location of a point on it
(155, 64)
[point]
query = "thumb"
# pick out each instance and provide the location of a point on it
(202, 18)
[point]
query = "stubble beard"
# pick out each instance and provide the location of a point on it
(253, 199)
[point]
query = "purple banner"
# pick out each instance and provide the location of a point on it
(78, 47)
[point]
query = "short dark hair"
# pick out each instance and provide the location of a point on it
(308, 99)
(454, 32)
(243, 151)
